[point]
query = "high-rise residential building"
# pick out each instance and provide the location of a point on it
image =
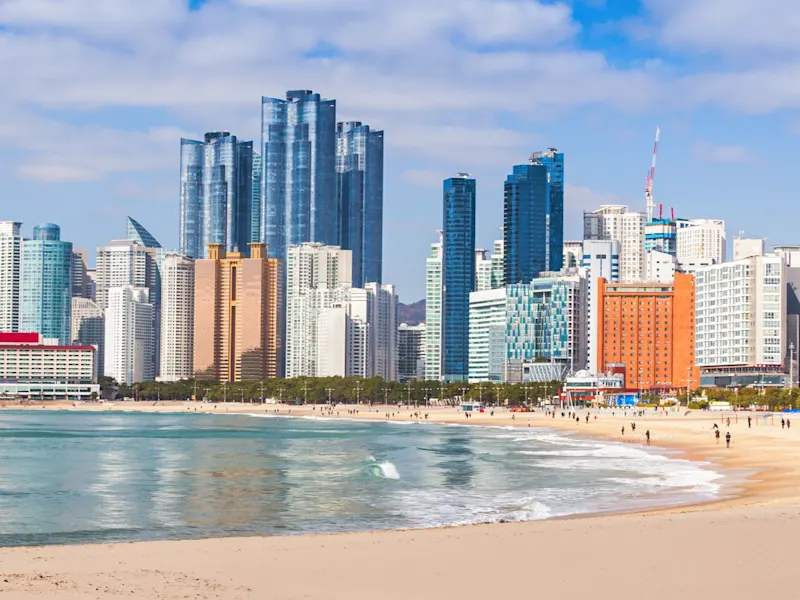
(359, 201)
(534, 217)
(344, 340)
(600, 259)
(701, 240)
(747, 247)
(573, 254)
(316, 277)
(661, 234)
(483, 271)
(410, 352)
(433, 312)
(237, 308)
(135, 232)
(177, 318)
(498, 265)
(91, 285)
(216, 193)
(255, 202)
(88, 328)
(523, 323)
(458, 274)
(383, 330)
(81, 286)
(129, 335)
(660, 267)
(741, 321)
(126, 263)
(614, 222)
(46, 290)
(32, 368)
(650, 329)
(298, 182)
(10, 277)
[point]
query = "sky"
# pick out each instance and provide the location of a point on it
(97, 94)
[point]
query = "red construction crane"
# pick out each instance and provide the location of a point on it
(648, 190)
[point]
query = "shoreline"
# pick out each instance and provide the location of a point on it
(710, 549)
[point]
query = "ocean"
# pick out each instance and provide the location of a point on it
(85, 477)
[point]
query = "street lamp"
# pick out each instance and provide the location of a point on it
(330, 391)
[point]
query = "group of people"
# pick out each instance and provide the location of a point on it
(727, 435)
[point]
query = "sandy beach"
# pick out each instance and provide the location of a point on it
(737, 547)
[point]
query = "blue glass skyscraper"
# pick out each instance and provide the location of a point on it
(136, 232)
(255, 206)
(46, 304)
(359, 198)
(533, 213)
(298, 181)
(458, 274)
(216, 192)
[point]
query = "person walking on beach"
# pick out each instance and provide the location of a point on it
(716, 434)
(783, 423)
(749, 421)
(788, 424)
(647, 435)
(587, 419)
(728, 439)
(623, 430)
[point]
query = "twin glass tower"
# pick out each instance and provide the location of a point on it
(311, 180)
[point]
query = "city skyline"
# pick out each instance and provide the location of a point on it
(96, 140)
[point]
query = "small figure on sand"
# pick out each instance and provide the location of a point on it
(623, 430)
(587, 418)
(716, 434)
(749, 421)
(633, 427)
(728, 439)
(647, 435)
(783, 423)
(788, 424)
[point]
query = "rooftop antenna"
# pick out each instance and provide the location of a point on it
(651, 174)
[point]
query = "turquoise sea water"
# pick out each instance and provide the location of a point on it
(72, 477)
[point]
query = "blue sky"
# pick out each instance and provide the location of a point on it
(97, 96)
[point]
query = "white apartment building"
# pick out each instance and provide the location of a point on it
(10, 279)
(489, 271)
(410, 351)
(701, 240)
(487, 333)
(615, 222)
(177, 318)
(741, 316)
(129, 335)
(660, 267)
(317, 276)
(345, 340)
(747, 247)
(433, 313)
(600, 258)
(88, 328)
(383, 321)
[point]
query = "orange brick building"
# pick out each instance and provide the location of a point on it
(237, 315)
(649, 327)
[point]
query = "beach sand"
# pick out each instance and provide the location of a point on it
(739, 547)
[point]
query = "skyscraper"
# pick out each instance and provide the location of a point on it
(140, 235)
(534, 217)
(298, 181)
(255, 199)
(410, 351)
(216, 193)
(10, 263)
(600, 259)
(46, 289)
(383, 331)
(81, 286)
(238, 300)
(359, 171)
(177, 318)
(615, 222)
(129, 335)
(458, 274)
(89, 328)
(433, 312)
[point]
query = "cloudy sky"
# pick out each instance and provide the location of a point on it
(97, 93)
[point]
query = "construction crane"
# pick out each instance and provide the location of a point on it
(651, 174)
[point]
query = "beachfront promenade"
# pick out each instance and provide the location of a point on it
(739, 547)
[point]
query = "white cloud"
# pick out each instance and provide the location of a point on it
(707, 152)
(423, 178)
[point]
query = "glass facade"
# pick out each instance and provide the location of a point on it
(458, 274)
(140, 235)
(534, 217)
(46, 305)
(298, 182)
(359, 200)
(216, 193)
(255, 203)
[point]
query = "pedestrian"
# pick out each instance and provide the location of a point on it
(788, 424)
(647, 435)
(783, 423)
(749, 420)
(587, 419)
(728, 439)
(716, 434)
(578, 420)
(623, 430)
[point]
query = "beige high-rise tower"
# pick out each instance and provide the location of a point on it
(237, 334)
